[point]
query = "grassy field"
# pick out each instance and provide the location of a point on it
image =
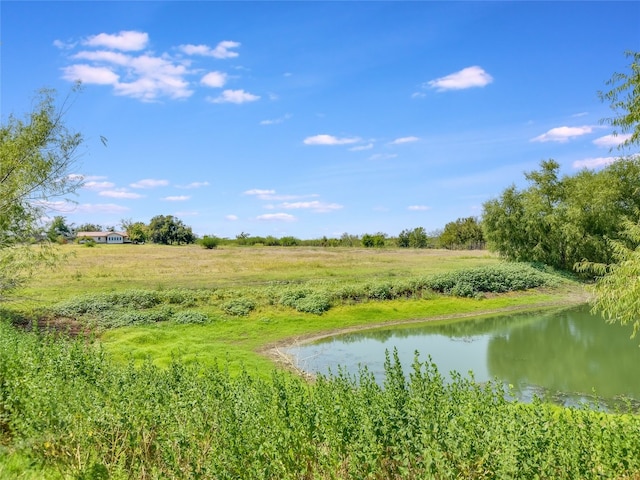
(258, 272)
(181, 383)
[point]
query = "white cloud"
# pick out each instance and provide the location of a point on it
(360, 148)
(593, 162)
(103, 208)
(234, 96)
(90, 75)
(195, 185)
(231, 218)
(563, 134)
(258, 192)
(418, 95)
(466, 78)
(329, 140)
(315, 205)
(127, 40)
(121, 193)
(116, 61)
(96, 185)
(275, 121)
(150, 77)
(177, 198)
(400, 141)
(611, 140)
(281, 217)
(214, 79)
(222, 50)
(383, 156)
(580, 114)
(418, 208)
(149, 183)
(64, 45)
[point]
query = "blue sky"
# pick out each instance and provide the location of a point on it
(316, 118)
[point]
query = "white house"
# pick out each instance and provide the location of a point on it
(104, 237)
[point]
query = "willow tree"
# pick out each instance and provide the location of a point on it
(37, 154)
(617, 290)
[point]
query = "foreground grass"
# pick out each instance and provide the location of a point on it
(67, 411)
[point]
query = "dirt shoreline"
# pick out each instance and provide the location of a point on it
(274, 351)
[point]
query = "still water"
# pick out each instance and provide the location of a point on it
(566, 356)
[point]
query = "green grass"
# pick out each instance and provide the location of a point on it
(251, 298)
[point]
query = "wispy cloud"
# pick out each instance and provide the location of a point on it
(466, 78)
(194, 185)
(279, 217)
(149, 183)
(315, 206)
(120, 193)
(383, 156)
(324, 139)
(593, 163)
(222, 50)
(177, 198)
(97, 185)
(234, 96)
(231, 218)
(418, 208)
(360, 148)
(276, 121)
(611, 141)
(400, 141)
(259, 192)
(563, 134)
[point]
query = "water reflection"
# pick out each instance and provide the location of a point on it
(563, 355)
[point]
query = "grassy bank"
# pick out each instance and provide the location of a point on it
(229, 304)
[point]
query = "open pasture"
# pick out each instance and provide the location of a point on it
(260, 277)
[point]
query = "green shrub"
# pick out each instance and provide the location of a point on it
(238, 307)
(506, 277)
(209, 242)
(189, 316)
(316, 303)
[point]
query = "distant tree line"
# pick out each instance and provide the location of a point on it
(464, 233)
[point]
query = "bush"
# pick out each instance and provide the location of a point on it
(209, 242)
(190, 316)
(238, 307)
(506, 277)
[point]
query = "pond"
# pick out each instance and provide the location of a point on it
(566, 356)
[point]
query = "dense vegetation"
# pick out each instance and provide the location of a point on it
(186, 422)
(561, 221)
(135, 307)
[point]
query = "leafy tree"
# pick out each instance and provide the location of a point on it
(376, 240)
(416, 238)
(624, 100)
(463, 233)
(562, 221)
(137, 232)
(37, 154)
(617, 291)
(348, 240)
(89, 227)
(169, 230)
(58, 229)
